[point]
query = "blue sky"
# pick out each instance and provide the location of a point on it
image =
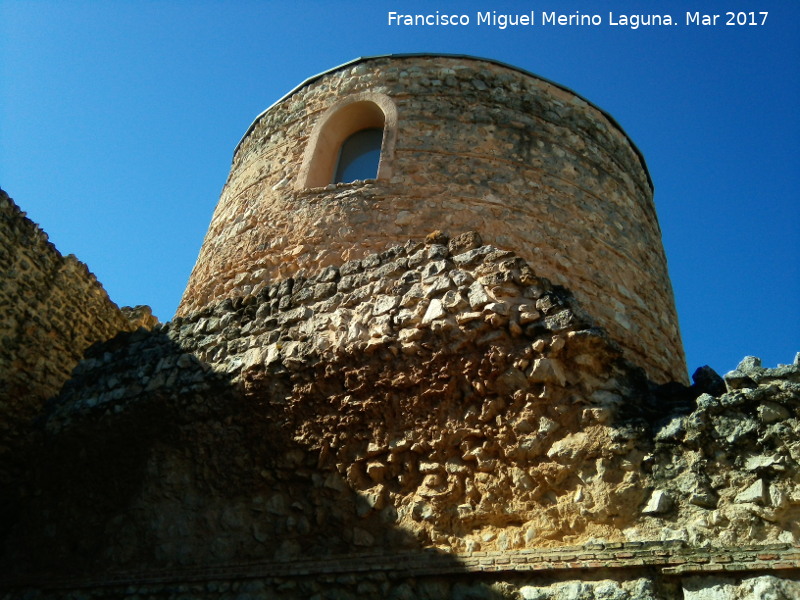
(118, 121)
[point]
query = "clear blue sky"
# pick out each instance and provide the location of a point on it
(118, 121)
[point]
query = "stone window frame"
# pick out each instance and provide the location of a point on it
(341, 120)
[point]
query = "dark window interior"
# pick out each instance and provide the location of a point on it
(359, 156)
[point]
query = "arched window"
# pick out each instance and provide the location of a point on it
(352, 140)
(359, 156)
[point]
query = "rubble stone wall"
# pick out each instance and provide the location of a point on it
(478, 146)
(435, 396)
(53, 309)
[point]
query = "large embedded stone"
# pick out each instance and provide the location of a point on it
(546, 370)
(658, 503)
(756, 492)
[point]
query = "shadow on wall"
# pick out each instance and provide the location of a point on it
(151, 467)
(334, 433)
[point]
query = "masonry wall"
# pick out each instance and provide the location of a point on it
(479, 146)
(437, 398)
(53, 309)
(426, 576)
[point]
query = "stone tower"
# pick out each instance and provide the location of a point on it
(379, 384)
(467, 144)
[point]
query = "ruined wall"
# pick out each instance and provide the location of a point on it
(440, 398)
(478, 146)
(53, 308)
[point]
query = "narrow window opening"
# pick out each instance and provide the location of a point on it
(352, 140)
(359, 156)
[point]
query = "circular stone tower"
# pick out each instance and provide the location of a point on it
(386, 149)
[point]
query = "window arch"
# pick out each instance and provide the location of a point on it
(353, 139)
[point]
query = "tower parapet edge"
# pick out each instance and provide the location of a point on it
(468, 144)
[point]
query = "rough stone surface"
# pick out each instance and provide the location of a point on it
(659, 502)
(529, 165)
(763, 587)
(313, 426)
(53, 308)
